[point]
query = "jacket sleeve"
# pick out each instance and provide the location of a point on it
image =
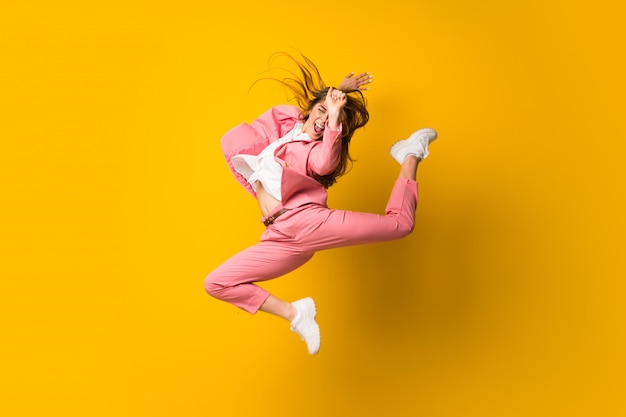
(252, 138)
(324, 158)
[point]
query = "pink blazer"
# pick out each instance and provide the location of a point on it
(299, 159)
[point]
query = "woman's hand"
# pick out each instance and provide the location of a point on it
(335, 101)
(355, 83)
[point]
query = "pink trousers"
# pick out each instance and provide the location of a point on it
(296, 235)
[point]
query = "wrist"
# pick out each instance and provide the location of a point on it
(334, 125)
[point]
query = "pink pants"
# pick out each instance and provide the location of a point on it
(297, 234)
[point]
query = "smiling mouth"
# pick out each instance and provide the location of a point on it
(318, 128)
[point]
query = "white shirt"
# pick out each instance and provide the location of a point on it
(263, 167)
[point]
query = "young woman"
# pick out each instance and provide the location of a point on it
(287, 158)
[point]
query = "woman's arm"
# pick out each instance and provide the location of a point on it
(324, 159)
(254, 137)
(336, 99)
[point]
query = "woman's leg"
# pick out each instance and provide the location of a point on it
(408, 169)
(339, 228)
(278, 307)
(233, 281)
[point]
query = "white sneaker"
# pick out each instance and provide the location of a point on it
(304, 324)
(416, 144)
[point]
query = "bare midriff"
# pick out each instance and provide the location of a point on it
(267, 203)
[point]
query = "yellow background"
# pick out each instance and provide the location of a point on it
(508, 300)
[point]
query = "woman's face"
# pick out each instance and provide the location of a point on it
(315, 124)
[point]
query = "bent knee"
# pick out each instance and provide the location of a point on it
(212, 287)
(404, 229)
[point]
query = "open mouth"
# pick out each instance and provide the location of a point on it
(318, 128)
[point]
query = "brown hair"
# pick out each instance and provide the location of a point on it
(307, 88)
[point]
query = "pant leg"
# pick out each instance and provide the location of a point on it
(233, 280)
(293, 239)
(339, 228)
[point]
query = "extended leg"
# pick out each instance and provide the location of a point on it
(343, 228)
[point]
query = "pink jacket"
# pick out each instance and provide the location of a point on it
(299, 159)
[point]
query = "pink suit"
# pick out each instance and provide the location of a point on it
(309, 225)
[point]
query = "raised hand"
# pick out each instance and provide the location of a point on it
(353, 82)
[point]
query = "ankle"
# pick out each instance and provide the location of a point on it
(408, 169)
(290, 313)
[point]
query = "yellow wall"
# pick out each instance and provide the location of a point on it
(506, 301)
